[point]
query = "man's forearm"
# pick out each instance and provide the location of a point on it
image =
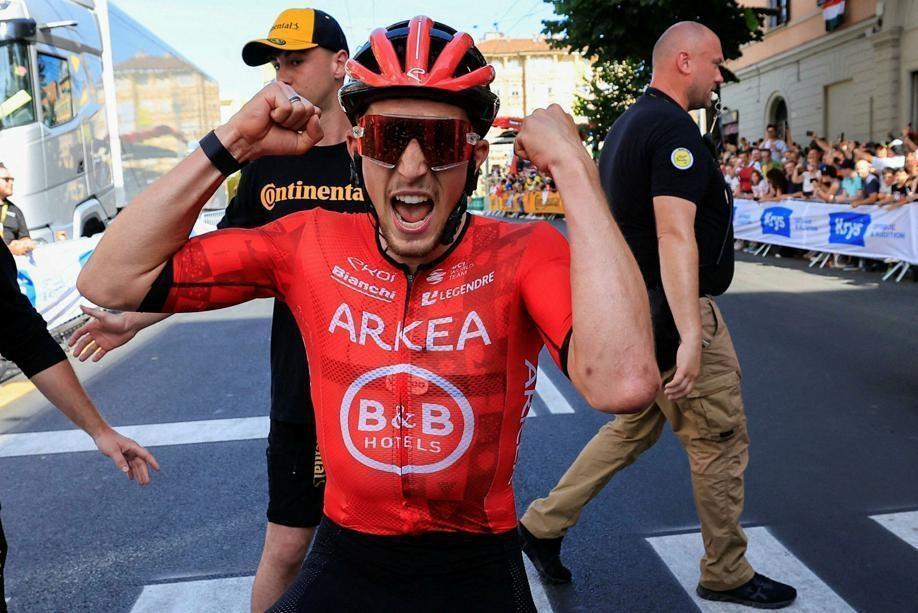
(679, 272)
(59, 384)
(151, 229)
(139, 321)
(612, 341)
(147, 233)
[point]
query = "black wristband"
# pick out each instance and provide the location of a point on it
(219, 155)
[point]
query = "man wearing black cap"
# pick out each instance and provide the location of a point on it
(308, 50)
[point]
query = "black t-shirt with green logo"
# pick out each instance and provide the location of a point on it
(270, 188)
(655, 149)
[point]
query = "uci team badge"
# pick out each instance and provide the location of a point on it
(682, 158)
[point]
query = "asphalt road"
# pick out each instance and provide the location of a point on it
(831, 395)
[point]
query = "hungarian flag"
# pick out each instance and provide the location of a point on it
(833, 11)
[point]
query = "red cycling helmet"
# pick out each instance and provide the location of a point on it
(440, 64)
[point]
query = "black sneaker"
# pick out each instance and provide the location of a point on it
(545, 555)
(759, 592)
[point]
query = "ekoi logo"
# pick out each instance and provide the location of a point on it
(438, 431)
(360, 266)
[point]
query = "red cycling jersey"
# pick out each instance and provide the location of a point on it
(420, 383)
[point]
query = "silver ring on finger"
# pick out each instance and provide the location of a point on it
(295, 98)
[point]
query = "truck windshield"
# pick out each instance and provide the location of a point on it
(16, 105)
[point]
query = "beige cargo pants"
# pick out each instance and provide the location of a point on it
(711, 425)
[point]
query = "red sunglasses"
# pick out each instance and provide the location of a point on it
(445, 142)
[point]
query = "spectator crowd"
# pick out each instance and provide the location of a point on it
(516, 180)
(840, 171)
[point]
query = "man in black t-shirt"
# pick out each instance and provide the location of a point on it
(674, 208)
(308, 50)
(12, 221)
(24, 340)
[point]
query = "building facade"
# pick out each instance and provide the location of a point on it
(860, 79)
(530, 74)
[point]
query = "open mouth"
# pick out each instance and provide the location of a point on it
(412, 212)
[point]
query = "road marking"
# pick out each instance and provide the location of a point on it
(206, 596)
(539, 597)
(150, 435)
(904, 525)
(681, 552)
(551, 396)
(175, 433)
(233, 594)
(14, 390)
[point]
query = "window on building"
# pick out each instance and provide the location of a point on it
(782, 13)
(56, 90)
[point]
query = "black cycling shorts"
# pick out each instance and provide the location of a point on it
(442, 571)
(294, 493)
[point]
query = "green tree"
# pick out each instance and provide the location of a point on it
(619, 35)
(615, 87)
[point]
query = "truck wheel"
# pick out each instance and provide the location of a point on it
(92, 226)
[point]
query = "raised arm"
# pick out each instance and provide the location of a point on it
(610, 358)
(156, 224)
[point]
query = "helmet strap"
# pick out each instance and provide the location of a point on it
(357, 181)
(455, 218)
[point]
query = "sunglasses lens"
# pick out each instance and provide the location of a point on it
(444, 142)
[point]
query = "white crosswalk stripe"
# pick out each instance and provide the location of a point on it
(551, 396)
(904, 525)
(202, 431)
(681, 552)
(150, 435)
(177, 433)
(206, 596)
(232, 594)
(539, 597)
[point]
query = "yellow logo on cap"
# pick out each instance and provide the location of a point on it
(682, 158)
(277, 41)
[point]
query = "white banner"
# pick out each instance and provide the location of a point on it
(865, 231)
(47, 276)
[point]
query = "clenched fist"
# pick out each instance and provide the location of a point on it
(547, 137)
(277, 121)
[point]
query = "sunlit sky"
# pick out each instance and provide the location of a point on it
(211, 33)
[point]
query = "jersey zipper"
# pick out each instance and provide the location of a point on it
(404, 398)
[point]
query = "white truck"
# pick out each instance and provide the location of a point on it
(93, 107)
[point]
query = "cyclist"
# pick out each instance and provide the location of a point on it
(423, 323)
(308, 50)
